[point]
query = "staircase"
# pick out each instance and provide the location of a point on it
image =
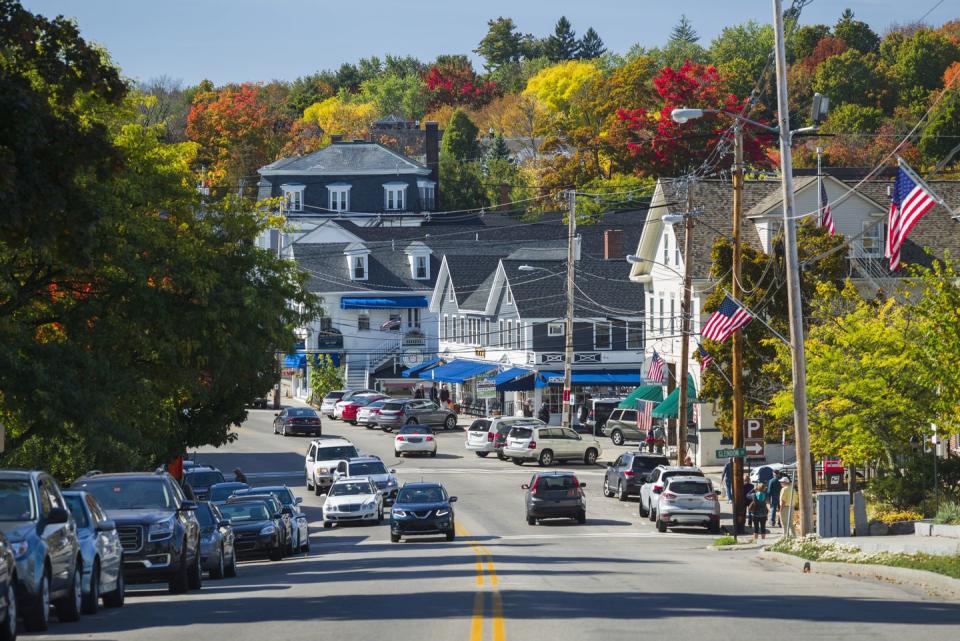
(873, 270)
(360, 366)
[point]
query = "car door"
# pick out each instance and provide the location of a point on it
(573, 444)
(613, 473)
(108, 542)
(56, 536)
(628, 423)
(433, 411)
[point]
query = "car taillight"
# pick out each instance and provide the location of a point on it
(400, 438)
(429, 438)
(710, 497)
(668, 495)
(533, 445)
(657, 487)
(400, 413)
(489, 436)
(628, 473)
(533, 488)
(592, 414)
(374, 411)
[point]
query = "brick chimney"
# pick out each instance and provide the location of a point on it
(335, 138)
(613, 244)
(431, 152)
(504, 195)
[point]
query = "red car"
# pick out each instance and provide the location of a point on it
(350, 408)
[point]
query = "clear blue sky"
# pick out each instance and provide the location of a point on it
(238, 40)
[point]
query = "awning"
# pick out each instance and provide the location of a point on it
(670, 405)
(515, 379)
(382, 302)
(412, 372)
(295, 361)
(594, 377)
(459, 370)
(642, 393)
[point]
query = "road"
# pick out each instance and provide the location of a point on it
(611, 579)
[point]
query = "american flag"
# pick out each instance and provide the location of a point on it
(655, 371)
(705, 358)
(826, 220)
(728, 318)
(645, 415)
(910, 201)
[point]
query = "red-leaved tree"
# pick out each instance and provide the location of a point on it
(457, 84)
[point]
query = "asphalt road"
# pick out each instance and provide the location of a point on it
(613, 578)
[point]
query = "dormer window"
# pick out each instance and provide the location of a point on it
(293, 197)
(420, 269)
(394, 196)
(358, 261)
(418, 256)
(338, 196)
(359, 268)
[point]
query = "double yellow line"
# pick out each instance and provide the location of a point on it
(487, 583)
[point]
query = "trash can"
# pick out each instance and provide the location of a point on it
(834, 481)
(833, 514)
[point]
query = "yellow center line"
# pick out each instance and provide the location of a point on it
(498, 631)
(476, 623)
(485, 562)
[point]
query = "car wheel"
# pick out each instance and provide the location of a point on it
(450, 423)
(501, 456)
(643, 510)
(196, 571)
(317, 490)
(713, 528)
(517, 461)
(277, 554)
(283, 430)
(180, 582)
(617, 437)
(394, 538)
(546, 458)
(661, 526)
(9, 630)
(305, 546)
(91, 600)
(327, 525)
(387, 429)
(607, 492)
(433, 454)
(115, 599)
(396, 454)
(69, 606)
(308, 483)
(482, 454)
(37, 611)
(275, 429)
(220, 569)
(581, 517)
(590, 457)
(451, 535)
(231, 568)
(380, 516)
(531, 520)
(652, 514)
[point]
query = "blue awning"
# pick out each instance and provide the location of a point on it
(511, 374)
(382, 302)
(412, 372)
(593, 377)
(515, 379)
(457, 371)
(295, 361)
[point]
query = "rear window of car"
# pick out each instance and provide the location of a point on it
(480, 426)
(549, 483)
(667, 475)
(689, 487)
(301, 412)
(393, 406)
(204, 479)
(364, 469)
(415, 429)
(647, 463)
(333, 395)
(521, 432)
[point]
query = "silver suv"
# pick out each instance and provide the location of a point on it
(415, 411)
(545, 445)
(482, 433)
(688, 500)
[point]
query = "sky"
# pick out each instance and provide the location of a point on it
(261, 40)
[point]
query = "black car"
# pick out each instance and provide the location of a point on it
(554, 495)
(158, 529)
(297, 420)
(291, 505)
(201, 478)
(422, 508)
(631, 470)
(284, 517)
(255, 530)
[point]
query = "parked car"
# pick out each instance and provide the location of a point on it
(598, 411)
(764, 473)
(373, 468)
(297, 420)
(101, 552)
(158, 529)
(322, 459)
(8, 591)
(218, 556)
(369, 414)
(482, 433)
(552, 495)
(650, 491)
(43, 537)
(255, 530)
(398, 413)
(220, 492)
(688, 500)
(629, 472)
(200, 478)
(262, 401)
(347, 410)
(547, 445)
(329, 401)
(414, 439)
(421, 509)
(283, 518)
(353, 500)
(290, 505)
(621, 426)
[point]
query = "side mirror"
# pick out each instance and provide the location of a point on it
(286, 510)
(299, 500)
(342, 467)
(277, 515)
(310, 459)
(106, 526)
(525, 487)
(610, 464)
(276, 413)
(453, 499)
(583, 484)
(226, 523)
(393, 471)
(188, 506)
(324, 495)
(57, 515)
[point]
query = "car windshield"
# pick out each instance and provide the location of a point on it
(338, 452)
(420, 495)
(333, 396)
(349, 489)
(204, 515)
(301, 412)
(16, 501)
(223, 493)
(75, 504)
(521, 432)
(366, 469)
(131, 494)
(204, 479)
(647, 463)
(393, 406)
(245, 512)
(689, 487)
(480, 426)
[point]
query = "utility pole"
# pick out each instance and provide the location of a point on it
(685, 331)
(804, 471)
(568, 356)
(739, 505)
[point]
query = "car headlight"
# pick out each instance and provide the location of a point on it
(323, 470)
(370, 505)
(398, 512)
(161, 530)
(443, 512)
(268, 529)
(19, 548)
(391, 482)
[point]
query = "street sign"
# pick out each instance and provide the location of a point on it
(753, 428)
(755, 448)
(731, 452)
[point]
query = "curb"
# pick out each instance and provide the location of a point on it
(929, 581)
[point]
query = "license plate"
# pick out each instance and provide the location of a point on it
(415, 440)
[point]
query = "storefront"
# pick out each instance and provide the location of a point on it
(461, 377)
(585, 384)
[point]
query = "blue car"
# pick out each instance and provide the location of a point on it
(422, 509)
(101, 551)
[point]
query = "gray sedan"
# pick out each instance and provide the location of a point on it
(417, 411)
(217, 554)
(101, 551)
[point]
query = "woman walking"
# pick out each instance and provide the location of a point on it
(758, 510)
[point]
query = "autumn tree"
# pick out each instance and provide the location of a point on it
(805, 38)
(856, 34)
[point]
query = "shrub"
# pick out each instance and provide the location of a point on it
(888, 515)
(949, 514)
(725, 540)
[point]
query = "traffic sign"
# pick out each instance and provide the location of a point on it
(731, 452)
(755, 448)
(753, 428)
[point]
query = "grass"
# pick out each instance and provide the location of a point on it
(812, 549)
(725, 540)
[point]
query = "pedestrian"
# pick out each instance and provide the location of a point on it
(418, 392)
(688, 461)
(747, 489)
(239, 476)
(445, 395)
(728, 479)
(544, 413)
(528, 408)
(433, 394)
(757, 509)
(773, 490)
(788, 505)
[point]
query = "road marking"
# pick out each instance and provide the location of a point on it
(485, 570)
(476, 622)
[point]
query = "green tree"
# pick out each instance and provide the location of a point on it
(942, 134)
(460, 138)
(501, 45)
(683, 45)
(324, 376)
(856, 34)
(916, 63)
(853, 119)
(461, 183)
(851, 77)
(562, 45)
(498, 150)
(307, 90)
(591, 46)
(405, 96)
(741, 53)
(683, 31)
(805, 39)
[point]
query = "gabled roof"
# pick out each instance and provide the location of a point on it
(772, 203)
(346, 159)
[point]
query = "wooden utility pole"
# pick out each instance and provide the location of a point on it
(739, 506)
(568, 355)
(685, 331)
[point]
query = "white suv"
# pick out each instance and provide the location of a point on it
(547, 445)
(322, 459)
(651, 490)
(482, 433)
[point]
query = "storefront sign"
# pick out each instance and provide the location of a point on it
(486, 389)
